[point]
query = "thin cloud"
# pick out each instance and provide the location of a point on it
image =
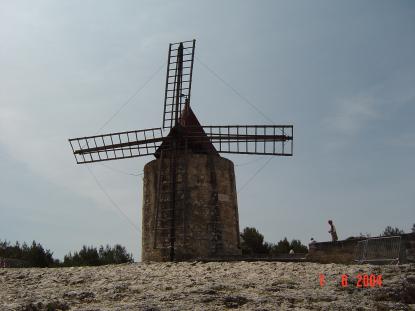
(354, 113)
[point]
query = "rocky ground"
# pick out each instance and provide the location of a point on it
(207, 286)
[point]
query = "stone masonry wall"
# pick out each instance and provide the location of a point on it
(333, 252)
(206, 212)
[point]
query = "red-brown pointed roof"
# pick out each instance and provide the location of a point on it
(189, 128)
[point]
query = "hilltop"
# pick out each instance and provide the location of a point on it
(206, 286)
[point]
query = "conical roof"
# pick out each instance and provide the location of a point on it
(189, 129)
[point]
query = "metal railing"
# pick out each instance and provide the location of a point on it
(380, 249)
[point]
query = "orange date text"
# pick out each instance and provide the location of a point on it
(361, 280)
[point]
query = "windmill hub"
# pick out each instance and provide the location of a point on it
(189, 201)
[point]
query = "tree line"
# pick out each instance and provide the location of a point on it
(36, 255)
(252, 242)
(388, 231)
(91, 256)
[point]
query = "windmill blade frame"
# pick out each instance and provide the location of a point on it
(247, 139)
(178, 80)
(116, 146)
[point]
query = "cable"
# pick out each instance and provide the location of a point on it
(120, 171)
(138, 90)
(234, 90)
(250, 104)
(248, 162)
(131, 97)
(253, 176)
(112, 201)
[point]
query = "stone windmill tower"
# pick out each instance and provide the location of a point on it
(189, 203)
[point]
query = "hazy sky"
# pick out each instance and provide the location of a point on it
(342, 72)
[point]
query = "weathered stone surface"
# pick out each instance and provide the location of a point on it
(205, 286)
(333, 252)
(206, 212)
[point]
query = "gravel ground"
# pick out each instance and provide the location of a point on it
(207, 286)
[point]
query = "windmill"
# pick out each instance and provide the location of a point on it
(189, 198)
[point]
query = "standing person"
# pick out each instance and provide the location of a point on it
(333, 232)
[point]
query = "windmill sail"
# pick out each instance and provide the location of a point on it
(116, 145)
(248, 139)
(178, 80)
